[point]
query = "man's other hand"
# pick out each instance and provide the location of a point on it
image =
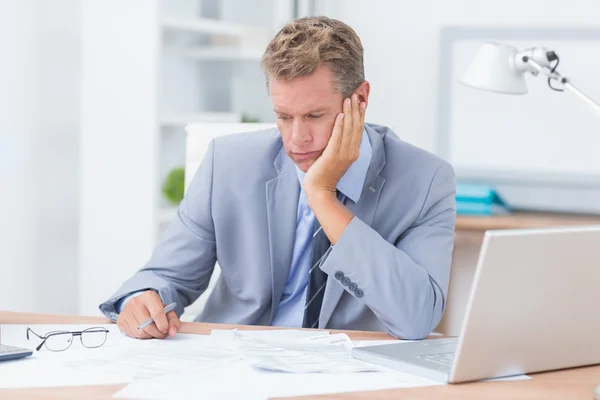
(341, 151)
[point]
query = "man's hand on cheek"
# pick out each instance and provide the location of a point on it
(341, 151)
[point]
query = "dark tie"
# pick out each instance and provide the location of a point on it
(317, 279)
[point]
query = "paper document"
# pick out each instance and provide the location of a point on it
(298, 351)
(159, 357)
(331, 354)
(274, 335)
(120, 360)
(363, 343)
(45, 368)
(277, 363)
(253, 384)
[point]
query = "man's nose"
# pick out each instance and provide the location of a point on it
(300, 132)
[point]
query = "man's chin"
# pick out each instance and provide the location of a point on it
(304, 165)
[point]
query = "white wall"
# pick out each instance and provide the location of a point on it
(118, 144)
(39, 121)
(17, 130)
(401, 40)
(401, 47)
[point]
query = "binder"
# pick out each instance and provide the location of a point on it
(479, 199)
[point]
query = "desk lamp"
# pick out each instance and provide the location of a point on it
(501, 68)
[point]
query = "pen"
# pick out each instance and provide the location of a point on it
(147, 322)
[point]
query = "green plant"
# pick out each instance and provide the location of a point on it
(174, 184)
(249, 119)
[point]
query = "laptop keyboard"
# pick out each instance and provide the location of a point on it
(443, 359)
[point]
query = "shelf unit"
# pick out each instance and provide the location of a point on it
(149, 68)
(166, 214)
(211, 53)
(201, 25)
(224, 54)
(181, 120)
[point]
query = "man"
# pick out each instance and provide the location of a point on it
(324, 222)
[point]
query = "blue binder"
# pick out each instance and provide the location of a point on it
(478, 199)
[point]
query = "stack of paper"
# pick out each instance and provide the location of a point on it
(239, 381)
(277, 364)
(296, 351)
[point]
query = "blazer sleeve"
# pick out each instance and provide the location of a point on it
(404, 283)
(182, 263)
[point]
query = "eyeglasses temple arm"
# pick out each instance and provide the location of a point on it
(30, 330)
(40, 346)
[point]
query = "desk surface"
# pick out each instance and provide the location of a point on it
(577, 383)
(520, 220)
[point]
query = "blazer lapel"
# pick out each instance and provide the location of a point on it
(363, 210)
(282, 205)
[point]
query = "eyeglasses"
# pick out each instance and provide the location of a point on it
(61, 340)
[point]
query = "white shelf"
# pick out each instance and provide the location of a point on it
(224, 54)
(166, 215)
(202, 25)
(184, 119)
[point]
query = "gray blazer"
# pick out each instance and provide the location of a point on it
(240, 209)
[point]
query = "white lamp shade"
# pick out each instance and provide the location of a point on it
(494, 69)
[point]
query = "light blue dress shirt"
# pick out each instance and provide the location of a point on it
(290, 312)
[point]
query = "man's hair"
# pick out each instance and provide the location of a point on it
(303, 45)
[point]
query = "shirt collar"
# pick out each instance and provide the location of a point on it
(352, 182)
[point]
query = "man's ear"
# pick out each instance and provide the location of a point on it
(363, 91)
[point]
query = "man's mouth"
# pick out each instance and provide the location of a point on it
(305, 156)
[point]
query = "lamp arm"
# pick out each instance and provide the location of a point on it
(585, 98)
(565, 82)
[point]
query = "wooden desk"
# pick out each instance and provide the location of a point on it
(469, 236)
(521, 220)
(569, 384)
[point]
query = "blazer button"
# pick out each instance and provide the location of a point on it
(346, 281)
(359, 293)
(353, 286)
(339, 275)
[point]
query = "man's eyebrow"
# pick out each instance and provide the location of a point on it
(317, 110)
(313, 111)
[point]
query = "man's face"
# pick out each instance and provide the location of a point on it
(306, 109)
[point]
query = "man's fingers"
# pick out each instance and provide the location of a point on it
(363, 112)
(121, 323)
(152, 331)
(347, 131)
(157, 313)
(141, 313)
(357, 126)
(174, 323)
(355, 112)
(174, 319)
(338, 128)
(131, 328)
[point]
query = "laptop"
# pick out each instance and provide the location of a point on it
(534, 306)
